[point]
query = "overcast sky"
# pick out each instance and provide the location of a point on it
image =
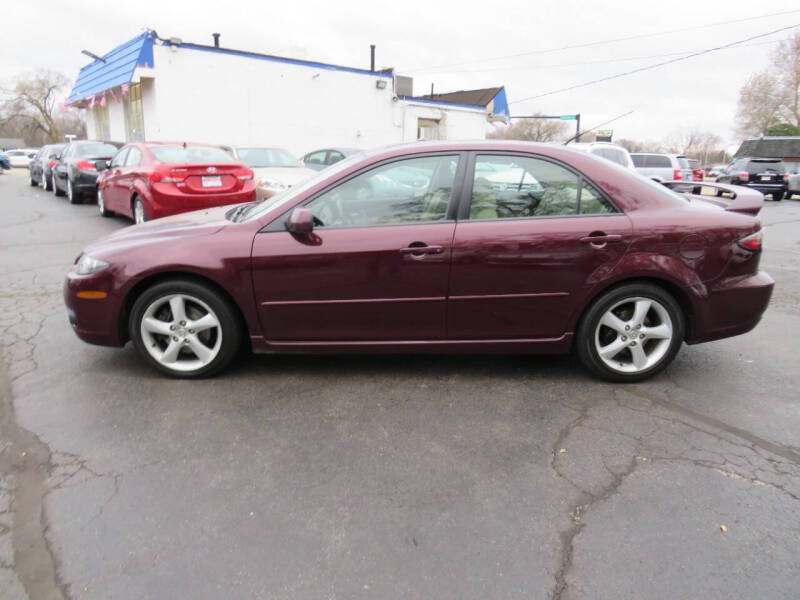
(456, 45)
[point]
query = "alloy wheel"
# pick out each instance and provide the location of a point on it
(181, 332)
(633, 335)
(138, 212)
(101, 203)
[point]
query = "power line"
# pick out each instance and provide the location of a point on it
(610, 41)
(595, 62)
(648, 67)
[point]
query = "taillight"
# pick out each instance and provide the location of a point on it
(786, 177)
(744, 176)
(164, 174)
(246, 175)
(753, 241)
(51, 163)
(85, 165)
(677, 175)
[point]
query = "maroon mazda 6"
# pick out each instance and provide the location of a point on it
(434, 247)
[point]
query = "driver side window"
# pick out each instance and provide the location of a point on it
(404, 191)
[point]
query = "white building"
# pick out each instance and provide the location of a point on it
(151, 88)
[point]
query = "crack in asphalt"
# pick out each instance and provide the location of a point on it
(30, 462)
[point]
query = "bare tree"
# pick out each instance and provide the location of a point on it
(760, 103)
(786, 60)
(27, 108)
(533, 130)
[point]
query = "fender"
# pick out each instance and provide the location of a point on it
(643, 265)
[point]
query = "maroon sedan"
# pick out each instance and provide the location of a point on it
(148, 180)
(449, 247)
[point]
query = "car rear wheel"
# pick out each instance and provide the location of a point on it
(101, 204)
(73, 196)
(34, 183)
(777, 196)
(630, 333)
(139, 216)
(185, 329)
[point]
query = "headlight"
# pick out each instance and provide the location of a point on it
(270, 184)
(87, 265)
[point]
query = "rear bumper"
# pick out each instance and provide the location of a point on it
(162, 203)
(84, 181)
(734, 306)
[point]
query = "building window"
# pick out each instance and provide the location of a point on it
(134, 118)
(427, 129)
(102, 130)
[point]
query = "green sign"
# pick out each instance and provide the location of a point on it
(568, 117)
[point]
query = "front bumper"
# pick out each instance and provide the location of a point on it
(94, 320)
(734, 306)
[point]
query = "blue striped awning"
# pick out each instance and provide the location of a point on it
(118, 68)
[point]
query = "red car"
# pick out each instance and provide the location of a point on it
(149, 180)
(506, 247)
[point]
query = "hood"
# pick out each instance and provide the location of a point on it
(191, 224)
(286, 175)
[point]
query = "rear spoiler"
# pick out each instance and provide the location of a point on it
(742, 200)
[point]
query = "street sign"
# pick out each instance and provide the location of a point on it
(568, 117)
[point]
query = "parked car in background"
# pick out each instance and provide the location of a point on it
(664, 167)
(591, 258)
(324, 158)
(40, 168)
(20, 157)
(698, 174)
(4, 163)
(148, 180)
(793, 185)
(715, 170)
(74, 173)
(275, 169)
(767, 175)
(612, 152)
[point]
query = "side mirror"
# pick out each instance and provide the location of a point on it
(300, 221)
(100, 165)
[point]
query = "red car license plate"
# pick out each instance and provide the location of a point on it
(213, 181)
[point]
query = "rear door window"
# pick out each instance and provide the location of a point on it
(639, 160)
(134, 157)
(658, 161)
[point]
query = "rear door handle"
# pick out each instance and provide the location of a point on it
(601, 239)
(422, 250)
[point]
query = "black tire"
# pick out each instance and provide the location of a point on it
(46, 185)
(777, 196)
(230, 327)
(719, 193)
(33, 183)
(73, 195)
(56, 190)
(590, 326)
(697, 190)
(104, 212)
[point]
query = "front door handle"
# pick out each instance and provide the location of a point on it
(422, 249)
(601, 238)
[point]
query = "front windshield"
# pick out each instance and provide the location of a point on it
(267, 157)
(291, 193)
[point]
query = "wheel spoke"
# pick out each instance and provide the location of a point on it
(659, 332)
(203, 352)
(178, 308)
(642, 308)
(171, 353)
(154, 325)
(611, 350)
(208, 321)
(614, 322)
(639, 357)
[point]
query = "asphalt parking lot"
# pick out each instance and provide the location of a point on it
(387, 477)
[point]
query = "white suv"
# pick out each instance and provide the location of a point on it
(612, 152)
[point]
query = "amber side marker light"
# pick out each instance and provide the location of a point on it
(91, 294)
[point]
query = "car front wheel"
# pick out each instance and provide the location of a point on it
(185, 329)
(101, 204)
(630, 333)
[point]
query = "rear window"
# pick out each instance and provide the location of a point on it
(657, 161)
(766, 164)
(683, 162)
(267, 157)
(98, 150)
(189, 155)
(638, 160)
